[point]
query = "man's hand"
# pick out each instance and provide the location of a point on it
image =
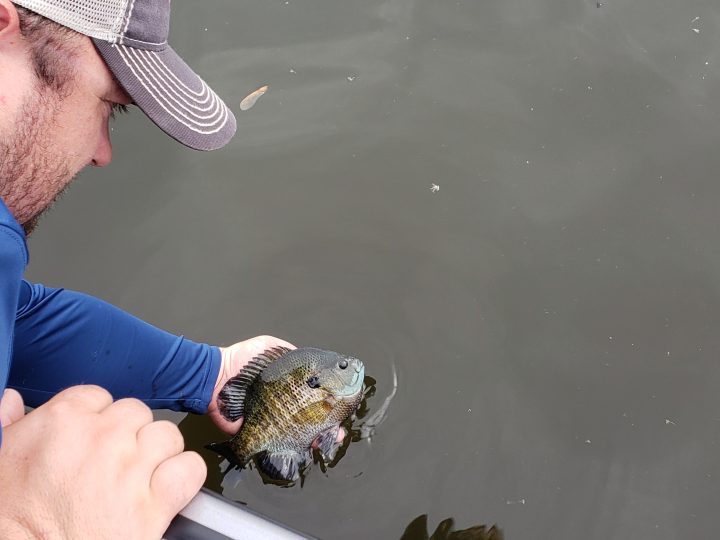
(11, 407)
(81, 466)
(234, 358)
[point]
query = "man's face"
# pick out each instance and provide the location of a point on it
(47, 137)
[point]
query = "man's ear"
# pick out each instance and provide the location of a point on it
(9, 20)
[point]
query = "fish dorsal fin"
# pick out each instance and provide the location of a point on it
(231, 399)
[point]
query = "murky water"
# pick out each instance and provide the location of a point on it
(552, 309)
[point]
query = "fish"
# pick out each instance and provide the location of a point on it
(292, 401)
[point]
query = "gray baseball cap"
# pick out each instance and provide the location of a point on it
(132, 38)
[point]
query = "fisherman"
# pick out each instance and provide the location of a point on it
(89, 461)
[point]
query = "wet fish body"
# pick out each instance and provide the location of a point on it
(292, 401)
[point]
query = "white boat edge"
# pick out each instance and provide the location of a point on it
(210, 516)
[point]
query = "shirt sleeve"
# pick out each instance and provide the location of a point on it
(64, 338)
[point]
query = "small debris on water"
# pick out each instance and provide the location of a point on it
(293, 71)
(434, 188)
(252, 98)
(695, 25)
(588, 441)
(668, 421)
(519, 501)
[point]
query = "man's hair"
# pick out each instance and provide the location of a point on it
(53, 48)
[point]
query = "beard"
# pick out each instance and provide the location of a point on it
(33, 174)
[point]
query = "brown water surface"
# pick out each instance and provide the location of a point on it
(552, 310)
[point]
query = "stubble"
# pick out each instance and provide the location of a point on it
(33, 174)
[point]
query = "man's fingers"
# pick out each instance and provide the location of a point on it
(130, 412)
(12, 408)
(159, 441)
(231, 428)
(88, 397)
(177, 480)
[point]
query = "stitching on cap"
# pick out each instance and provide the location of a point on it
(146, 42)
(165, 101)
(122, 34)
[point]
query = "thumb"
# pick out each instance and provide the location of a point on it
(177, 480)
(11, 407)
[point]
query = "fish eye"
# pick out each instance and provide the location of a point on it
(313, 382)
(342, 364)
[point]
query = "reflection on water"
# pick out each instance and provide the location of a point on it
(417, 530)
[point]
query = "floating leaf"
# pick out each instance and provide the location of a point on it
(251, 98)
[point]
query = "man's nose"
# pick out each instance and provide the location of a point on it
(103, 153)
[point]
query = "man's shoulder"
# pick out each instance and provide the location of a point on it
(12, 237)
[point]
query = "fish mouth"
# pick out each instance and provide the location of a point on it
(355, 384)
(358, 376)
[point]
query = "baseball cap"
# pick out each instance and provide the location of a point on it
(132, 37)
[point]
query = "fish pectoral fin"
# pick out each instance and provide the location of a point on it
(282, 465)
(327, 443)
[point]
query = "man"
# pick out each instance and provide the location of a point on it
(81, 465)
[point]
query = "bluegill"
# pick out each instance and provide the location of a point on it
(292, 401)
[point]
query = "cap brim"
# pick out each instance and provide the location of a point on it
(171, 95)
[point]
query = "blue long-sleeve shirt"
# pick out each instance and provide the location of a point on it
(51, 339)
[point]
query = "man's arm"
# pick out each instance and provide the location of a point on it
(64, 338)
